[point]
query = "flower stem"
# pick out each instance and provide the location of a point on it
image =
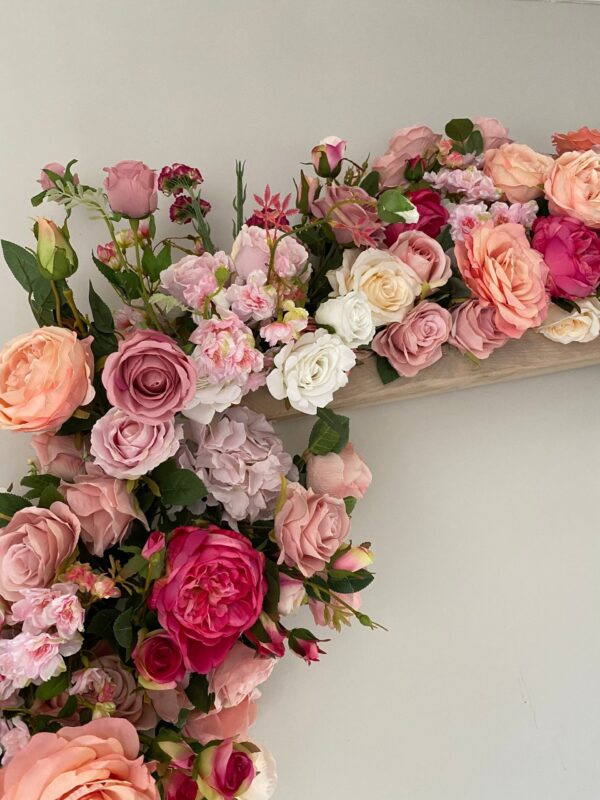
(57, 303)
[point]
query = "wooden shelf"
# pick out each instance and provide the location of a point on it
(528, 357)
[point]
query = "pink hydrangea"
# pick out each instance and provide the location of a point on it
(470, 182)
(464, 217)
(192, 279)
(522, 213)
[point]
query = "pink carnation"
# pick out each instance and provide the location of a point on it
(192, 279)
(251, 252)
(474, 329)
(471, 182)
(253, 300)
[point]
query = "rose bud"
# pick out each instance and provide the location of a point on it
(225, 771)
(154, 544)
(291, 594)
(181, 787)
(306, 192)
(327, 156)
(305, 644)
(56, 257)
(131, 187)
(271, 641)
(354, 559)
(158, 661)
(415, 168)
(46, 182)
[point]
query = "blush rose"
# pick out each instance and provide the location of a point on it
(132, 189)
(341, 475)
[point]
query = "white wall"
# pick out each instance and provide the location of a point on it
(484, 507)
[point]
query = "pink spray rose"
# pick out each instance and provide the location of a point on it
(518, 171)
(494, 133)
(405, 144)
(226, 771)
(503, 271)
(44, 377)
(58, 455)
(41, 609)
(424, 256)
(211, 593)
(132, 189)
(150, 377)
(104, 508)
(192, 279)
(432, 216)
(340, 475)
(582, 139)
(158, 661)
(228, 723)
(46, 182)
(238, 676)
(14, 736)
(415, 343)
(474, 329)
(572, 253)
(573, 187)
(309, 528)
(352, 214)
(97, 760)
(33, 546)
(327, 156)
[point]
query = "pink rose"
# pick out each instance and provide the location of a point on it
(126, 447)
(181, 787)
(97, 760)
(150, 377)
(309, 528)
(354, 559)
(191, 280)
(327, 156)
(415, 343)
(503, 271)
(572, 253)
(272, 643)
(44, 377)
(251, 253)
(158, 661)
(424, 256)
(33, 546)
(126, 695)
(211, 593)
(432, 216)
(132, 189)
(154, 544)
(352, 214)
(47, 183)
(228, 723)
(494, 133)
(226, 771)
(14, 737)
(405, 144)
(58, 455)
(582, 139)
(291, 595)
(474, 329)
(104, 508)
(238, 676)
(518, 171)
(340, 475)
(573, 187)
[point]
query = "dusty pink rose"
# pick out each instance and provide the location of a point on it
(327, 156)
(238, 676)
(158, 661)
(226, 771)
(168, 703)
(424, 256)
(494, 133)
(191, 280)
(572, 253)
(126, 694)
(58, 455)
(573, 187)
(154, 544)
(341, 475)
(416, 342)
(503, 271)
(352, 214)
(582, 139)
(405, 144)
(150, 377)
(132, 189)
(33, 546)
(211, 593)
(474, 329)
(432, 216)
(46, 182)
(228, 723)
(97, 761)
(518, 171)
(44, 377)
(309, 528)
(251, 253)
(104, 508)
(125, 446)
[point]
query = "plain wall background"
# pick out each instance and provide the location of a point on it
(484, 511)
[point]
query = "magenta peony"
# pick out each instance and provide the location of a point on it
(572, 254)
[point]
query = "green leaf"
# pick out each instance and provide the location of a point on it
(53, 687)
(474, 143)
(39, 482)
(153, 264)
(123, 630)
(385, 370)
(344, 582)
(69, 708)
(370, 183)
(102, 623)
(133, 566)
(50, 495)
(25, 268)
(125, 281)
(103, 326)
(9, 505)
(350, 503)
(198, 694)
(459, 129)
(271, 600)
(330, 433)
(394, 206)
(180, 487)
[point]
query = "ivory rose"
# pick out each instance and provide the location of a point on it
(405, 144)
(503, 271)
(582, 139)
(132, 189)
(576, 326)
(58, 455)
(341, 475)
(44, 377)
(573, 187)
(424, 256)
(350, 316)
(97, 761)
(238, 676)
(474, 329)
(33, 546)
(518, 171)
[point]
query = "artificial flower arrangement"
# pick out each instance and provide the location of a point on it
(163, 535)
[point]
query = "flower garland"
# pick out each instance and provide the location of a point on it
(163, 535)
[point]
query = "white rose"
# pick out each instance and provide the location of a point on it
(578, 326)
(310, 370)
(211, 397)
(350, 316)
(389, 284)
(264, 785)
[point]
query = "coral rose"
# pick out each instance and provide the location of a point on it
(474, 329)
(211, 593)
(424, 256)
(342, 474)
(44, 377)
(518, 171)
(503, 271)
(99, 760)
(573, 187)
(572, 253)
(405, 144)
(582, 139)
(132, 189)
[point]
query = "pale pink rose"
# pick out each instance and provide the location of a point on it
(41, 609)
(129, 319)
(128, 697)
(127, 447)
(238, 676)
(573, 187)
(251, 252)
(494, 133)
(35, 657)
(192, 280)
(416, 343)
(474, 329)
(104, 508)
(341, 475)
(44, 377)
(14, 737)
(309, 528)
(405, 144)
(228, 723)
(154, 544)
(253, 300)
(97, 761)
(582, 139)
(58, 455)
(424, 256)
(54, 166)
(132, 189)
(168, 703)
(518, 171)
(291, 595)
(503, 271)
(33, 546)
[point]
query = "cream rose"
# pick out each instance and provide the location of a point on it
(389, 284)
(578, 326)
(350, 316)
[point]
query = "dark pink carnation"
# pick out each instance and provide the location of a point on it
(572, 253)
(432, 216)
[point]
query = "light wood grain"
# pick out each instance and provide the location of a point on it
(530, 356)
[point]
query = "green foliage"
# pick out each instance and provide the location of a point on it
(385, 370)
(198, 694)
(50, 495)
(103, 326)
(123, 630)
(178, 486)
(25, 268)
(345, 582)
(370, 183)
(126, 282)
(459, 129)
(273, 589)
(9, 505)
(101, 623)
(53, 687)
(393, 205)
(153, 264)
(350, 503)
(330, 433)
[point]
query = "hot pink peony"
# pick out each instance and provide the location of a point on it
(432, 216)
(405, 144)
(132, 189)
(572, 253)
(58, 455)
(474, 329)
(424, 256)
(341, 475)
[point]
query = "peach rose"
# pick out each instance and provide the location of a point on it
(582, 139)
(97, 761)
(502, 270)
(228, 723)
(44, 377)
(573, 187)
(424, 256)
(341, 475)
(518, 171)
(58, 455)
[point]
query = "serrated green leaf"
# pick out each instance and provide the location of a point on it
(459, 129)
(53, 687)
(50, 495)
(330, 433)
(9, 505)
(25, 268)
(370, 183)
(198, 694)
(344, 582)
